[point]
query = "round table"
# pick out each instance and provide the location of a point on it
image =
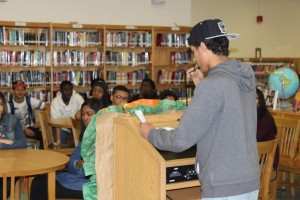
(33, 162)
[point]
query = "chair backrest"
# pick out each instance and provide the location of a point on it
(288, 130)
(47, 133)
(76, 129)
(7, 168)
(266, 154)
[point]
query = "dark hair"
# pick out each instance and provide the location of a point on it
(167, 93)
(262, 108)
(65, 83)
(101, 83)
(95, 105)
(120, 88)
(218, 46)
(150, 81)
(2, 97)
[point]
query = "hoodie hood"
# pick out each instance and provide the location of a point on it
(241, 72)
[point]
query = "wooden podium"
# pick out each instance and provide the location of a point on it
(138, 169)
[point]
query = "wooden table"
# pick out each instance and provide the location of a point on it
(33, 162)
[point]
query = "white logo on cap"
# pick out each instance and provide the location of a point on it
(222, 27)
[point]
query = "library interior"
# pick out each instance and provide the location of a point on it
(74, 76)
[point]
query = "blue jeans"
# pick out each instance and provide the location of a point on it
(64, 136)
(248, 196)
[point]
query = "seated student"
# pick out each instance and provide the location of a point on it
(120, 95)
(168, 94)
(147, 90)
(66, 103)
(100, 90)
(11, 135)
(11, 132)
(23, 106)
(266, 127)
(69, 184)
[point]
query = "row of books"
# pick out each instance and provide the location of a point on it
(183, 93)
(165, 76)
(180, 58)
(21, 37)
(31, 78)
(25, 58)
(79, 38)
(128, 58)
(77, 58)
(82, 78)
(172, 40)
(128, 39)
(267, 67)
(83, 58)
(41, 95)
(131, 78)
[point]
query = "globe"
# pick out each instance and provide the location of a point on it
(285, 81)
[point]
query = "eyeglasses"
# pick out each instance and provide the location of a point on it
(119, 97)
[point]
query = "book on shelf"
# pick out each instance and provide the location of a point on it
(2, 35)
(296, 107)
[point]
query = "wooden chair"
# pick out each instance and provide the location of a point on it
(288, 130)
(33, 143)
(76, 129)
(266, 154)
(48, 137)
(7, 168)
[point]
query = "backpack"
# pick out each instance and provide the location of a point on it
(29, 109)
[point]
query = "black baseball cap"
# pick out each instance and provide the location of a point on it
(208, 29)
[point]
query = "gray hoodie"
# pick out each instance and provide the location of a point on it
(221, 119)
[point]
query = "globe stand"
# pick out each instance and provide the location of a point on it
(286, 82)
(284, 105)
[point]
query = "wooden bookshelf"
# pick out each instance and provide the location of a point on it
(25, 54)
(262, 67)
(44, 54)
(172, 57)
(77, 54)
(128, 53)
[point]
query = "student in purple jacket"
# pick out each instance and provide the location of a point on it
(266, 127)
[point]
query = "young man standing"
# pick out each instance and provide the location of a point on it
(221, 118)
(23, 106)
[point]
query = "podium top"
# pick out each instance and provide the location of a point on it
(189, 153)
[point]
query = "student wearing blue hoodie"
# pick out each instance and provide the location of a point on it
(69, 184)
(220, 119)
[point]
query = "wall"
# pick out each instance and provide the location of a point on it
(277, 36)
(122, 12)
